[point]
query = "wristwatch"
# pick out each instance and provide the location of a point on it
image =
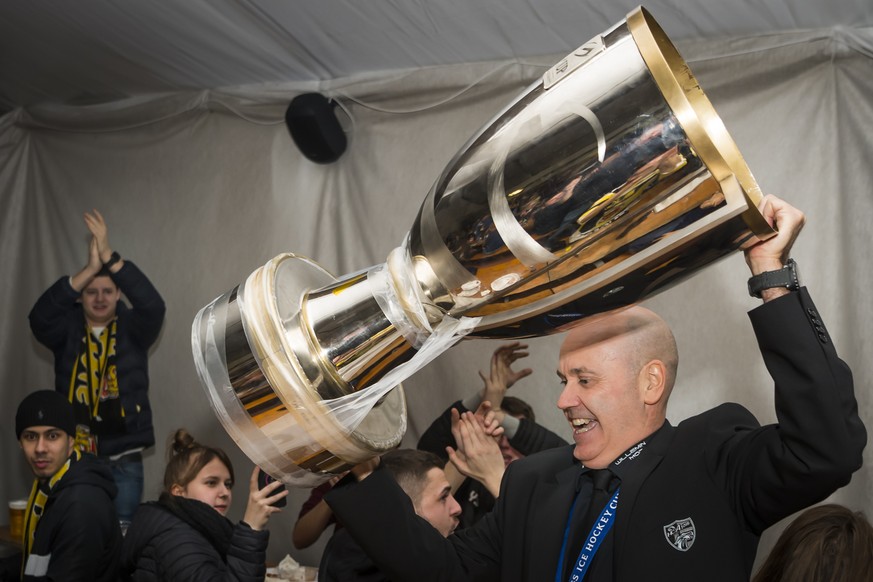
(113, 258)
(786, 277)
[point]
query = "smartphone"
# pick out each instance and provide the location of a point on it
(265, 479)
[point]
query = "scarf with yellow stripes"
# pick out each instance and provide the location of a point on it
(94, 389)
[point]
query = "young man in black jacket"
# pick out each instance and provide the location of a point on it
(71, 530)
(420, 475)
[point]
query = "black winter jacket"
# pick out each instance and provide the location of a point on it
(159, 545)
(77, 537)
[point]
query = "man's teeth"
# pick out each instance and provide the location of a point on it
(582, 424)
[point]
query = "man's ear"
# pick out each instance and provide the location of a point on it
(653, 382)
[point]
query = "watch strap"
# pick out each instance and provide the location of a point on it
(113, 258)
(785, 277)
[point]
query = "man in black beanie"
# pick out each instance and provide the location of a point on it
(71, 529)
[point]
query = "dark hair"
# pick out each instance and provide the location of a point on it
(186, 457)
(827, 543)
(518, 408)
(410, 467)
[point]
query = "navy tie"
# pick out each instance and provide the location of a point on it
(599, 498)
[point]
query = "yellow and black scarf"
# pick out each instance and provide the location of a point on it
(94, 389)
(39, 495)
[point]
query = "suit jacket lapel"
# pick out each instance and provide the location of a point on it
(630, 488)
(553, 509)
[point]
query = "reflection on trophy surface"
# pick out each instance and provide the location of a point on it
(609, 179)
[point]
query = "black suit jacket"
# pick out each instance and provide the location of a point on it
(722, 470)
(343, 560)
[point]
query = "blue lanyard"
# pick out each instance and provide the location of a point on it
(598, 532)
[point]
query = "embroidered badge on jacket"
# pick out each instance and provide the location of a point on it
(680, 534)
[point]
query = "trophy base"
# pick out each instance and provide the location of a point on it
(254, 355)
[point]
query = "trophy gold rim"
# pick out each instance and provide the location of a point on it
(701, 123)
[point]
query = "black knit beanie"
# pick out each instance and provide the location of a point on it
(45, 408)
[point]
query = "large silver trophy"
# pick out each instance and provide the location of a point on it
(609, 179)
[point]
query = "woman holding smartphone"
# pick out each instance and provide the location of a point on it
(185, 534)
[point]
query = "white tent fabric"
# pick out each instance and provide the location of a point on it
(93, 51)
(199, 189)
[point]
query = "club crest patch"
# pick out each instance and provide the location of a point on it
(680, 534)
